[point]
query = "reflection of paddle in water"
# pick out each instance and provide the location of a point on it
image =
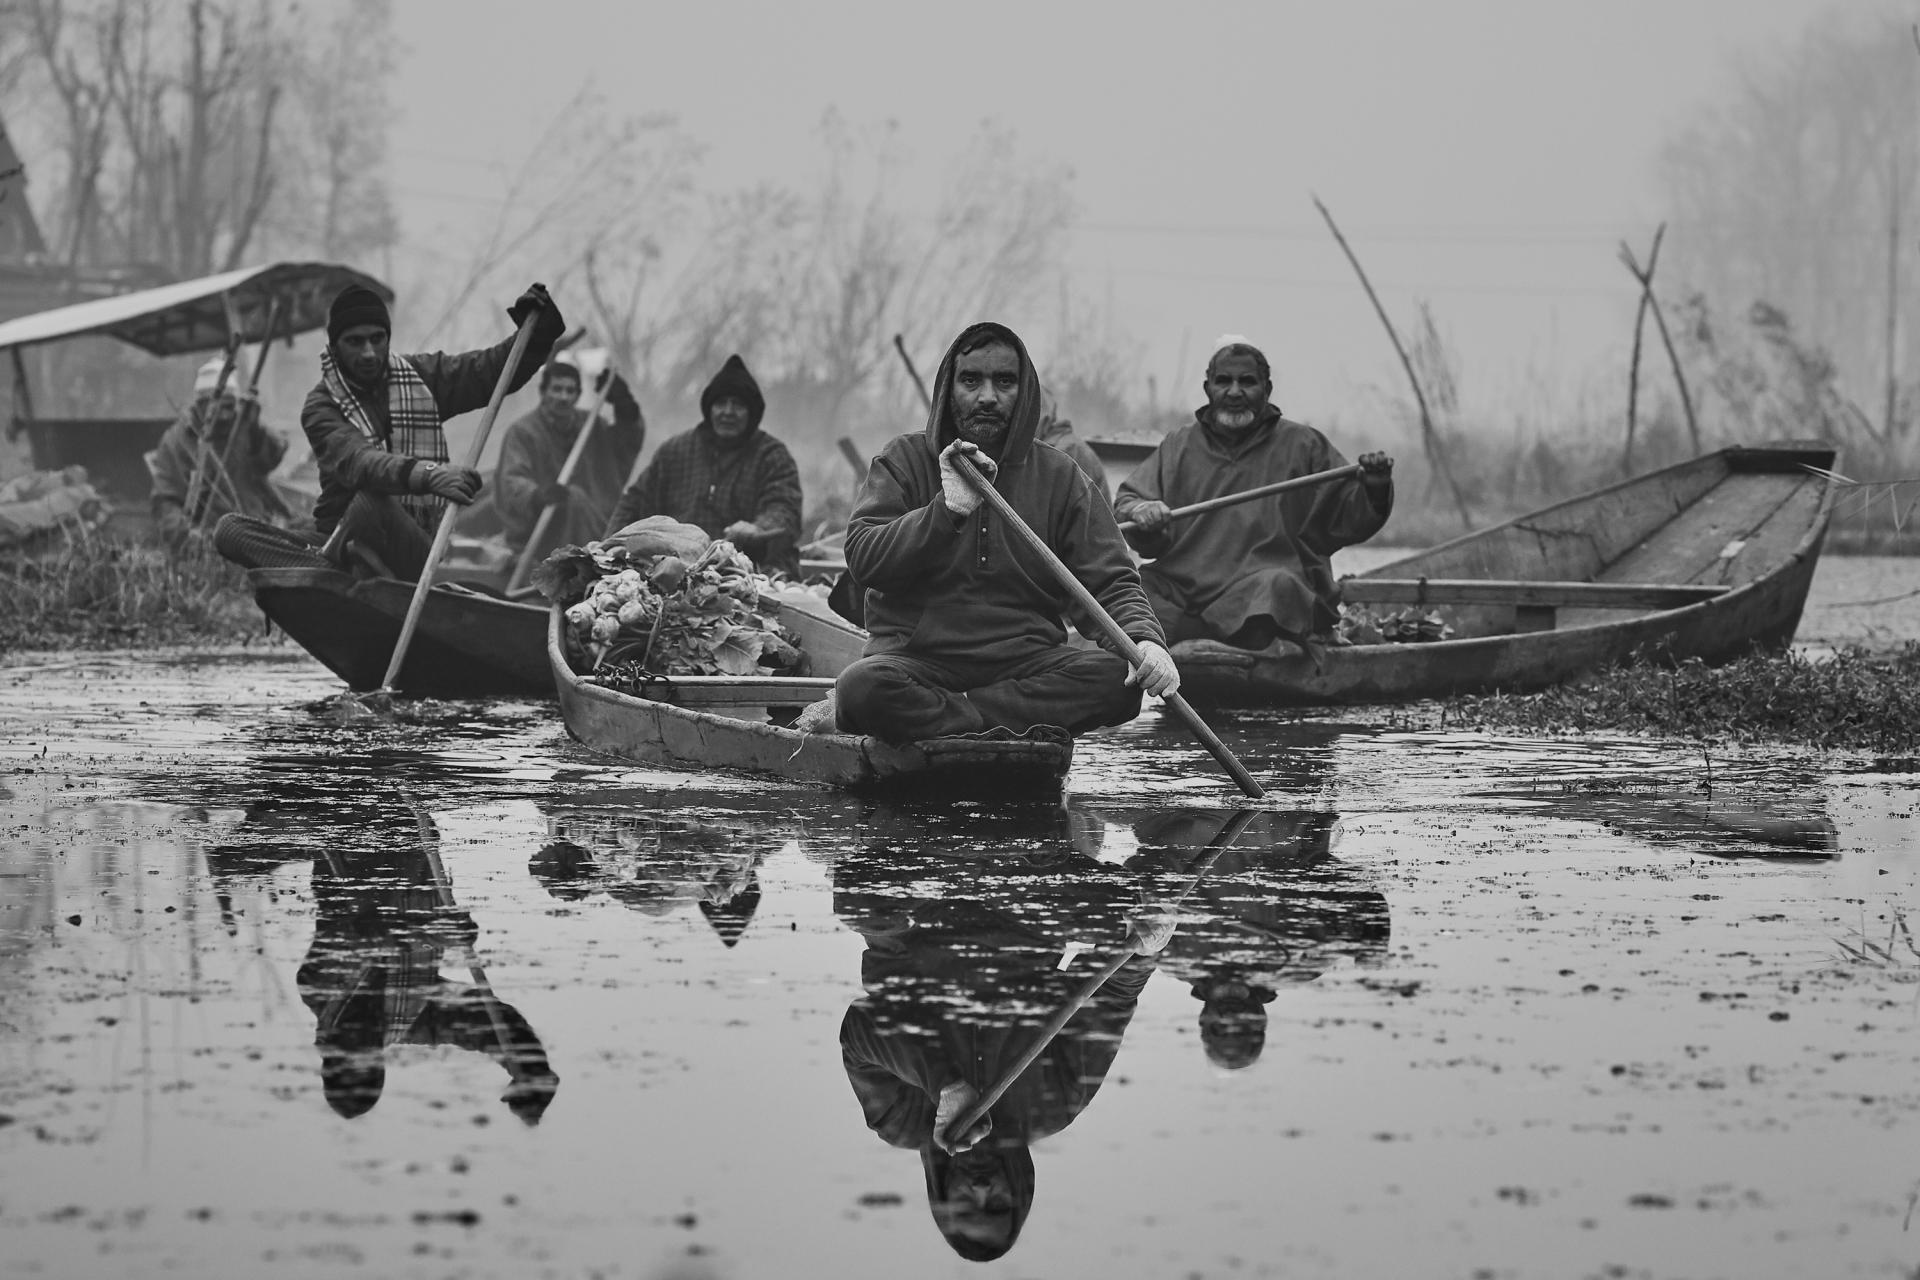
(965, 1128)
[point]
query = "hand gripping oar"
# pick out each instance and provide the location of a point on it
(1121, 641)
(567, 468)
(1236, 825)
(444, 534)
(1248, 495)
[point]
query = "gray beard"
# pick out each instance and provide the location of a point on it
(1234, 419)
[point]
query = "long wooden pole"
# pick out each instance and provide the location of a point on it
(900, 345)
(1248, 495)
(1436, 452)
(444, 534)
(224, 472)
(524, 568)
(1045, 1033)
(1104, 620)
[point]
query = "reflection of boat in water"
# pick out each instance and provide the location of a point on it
(659, 862)
(1708, 558)
(1730, 822)
(742, 724)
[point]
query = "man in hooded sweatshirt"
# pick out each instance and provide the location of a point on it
(1257, 572)
(967, 625)
(726, 476)
(375, 424)
(527, 480)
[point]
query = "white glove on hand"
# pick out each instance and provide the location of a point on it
(961, 498)
(954, 1099)
(1156, 673)
(1152, 924)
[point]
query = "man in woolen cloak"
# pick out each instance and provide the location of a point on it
(726, 476)
(375, 424)
(1256, 572)
(967, 622)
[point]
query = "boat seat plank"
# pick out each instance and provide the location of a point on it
(1690, 547)
(1525, 594)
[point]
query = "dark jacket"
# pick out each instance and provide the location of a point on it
(943, 586)
(239, 455)
(699, 479)
(460, 384)
(536, 449)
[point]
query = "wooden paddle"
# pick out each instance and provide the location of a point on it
(1236, 825)
(522, 569)
(1248, 495)
(444, 534)
(241, 409)
(1121, 640)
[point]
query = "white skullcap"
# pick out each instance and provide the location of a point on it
(209, 376)
(1232, 340)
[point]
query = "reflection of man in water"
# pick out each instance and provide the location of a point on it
(656, 864)
(372, 978)
(1275, 909)
(961, 967)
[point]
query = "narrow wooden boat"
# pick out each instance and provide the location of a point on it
(469, 644)
(1706, 559)
(740, 725)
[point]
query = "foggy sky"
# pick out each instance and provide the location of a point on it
(1486, 155)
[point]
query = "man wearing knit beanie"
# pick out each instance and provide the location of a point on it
(376, 424)
(726, 475)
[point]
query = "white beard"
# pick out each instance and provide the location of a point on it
(1233, 419)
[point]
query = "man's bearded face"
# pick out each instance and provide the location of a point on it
(561, 392)
(986, 392)
(1237, 392)
(362, 355)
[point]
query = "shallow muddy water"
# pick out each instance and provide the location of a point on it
(449, 996)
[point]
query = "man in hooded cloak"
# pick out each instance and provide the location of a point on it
(967, 623)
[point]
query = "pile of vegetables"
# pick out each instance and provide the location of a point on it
(635, 614)
(1360, 625)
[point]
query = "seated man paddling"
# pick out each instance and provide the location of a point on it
(968, 627)
(1258, 571)
(375, 426)
(527, 480)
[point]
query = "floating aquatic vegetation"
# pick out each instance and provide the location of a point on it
(1852, 700)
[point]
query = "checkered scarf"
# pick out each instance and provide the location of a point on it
(413, 421)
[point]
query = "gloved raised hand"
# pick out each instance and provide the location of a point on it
(744, 534)
(554, 494)
(1156, 673)
(458, 485)
(536, 298)
(959, 496)
(954, 1099)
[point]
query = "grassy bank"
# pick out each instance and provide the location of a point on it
(1855, 700)
(113, 590)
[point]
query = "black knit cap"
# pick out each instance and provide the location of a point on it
(356, 304)
(734, 380)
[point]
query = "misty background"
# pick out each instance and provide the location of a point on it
(1121, 183)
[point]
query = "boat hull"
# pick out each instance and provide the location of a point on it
(1749, 520)
(466, 646)
(661, 733)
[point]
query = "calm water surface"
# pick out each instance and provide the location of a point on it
(450, 996)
